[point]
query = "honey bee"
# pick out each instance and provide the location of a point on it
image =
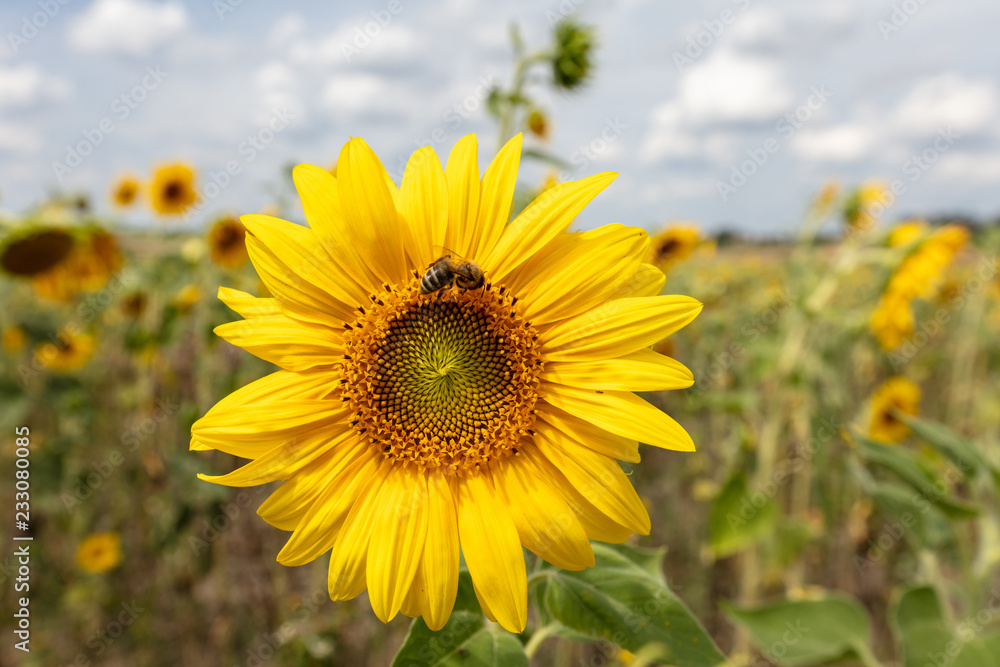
(451, 269)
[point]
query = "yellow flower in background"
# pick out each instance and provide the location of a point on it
(411, 424)
(892, 322)
(897, 395)
(70, 351)
(134, 304)
(13, 339)
(673, 245)
(186, 298)
(33, 251)
(99, 553)
(226, 243)
(125, 190)
(863, 207)
(538, 124)
(825, 197)
(551, 180)
(95, 258)
(173, 189)
(906, 233)
(194, 249)
(920, 274)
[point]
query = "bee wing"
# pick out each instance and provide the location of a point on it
(445, 251)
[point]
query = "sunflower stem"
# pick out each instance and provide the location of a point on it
(540, 636)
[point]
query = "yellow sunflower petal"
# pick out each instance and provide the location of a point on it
(493, 551)
(599, 478)
(462, 173)
(289, 457)
(321, 204)
(369, 208)
(399, 529)
(439, 565)
(415, 600)
(320, 528)
(296, 270)
(647, 280)
(545, 522)
(283, 404)
(496, 196)
(248, 305)
(620, 412)
(584, 275)
(585, 433)
(599, 526)
(543, 219)
(293, 345)
(424, 204)
(618, 328)
(348, 559)
(643, 370)
(285, 508)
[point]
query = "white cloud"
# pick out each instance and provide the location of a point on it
(18, 139)
(725, 88)
(360, 43)
(733, 87)
(845, 142)
(965, 168)
(285, 29)
(355, 94)
(948, 100)
(25, 85)
(129, 27)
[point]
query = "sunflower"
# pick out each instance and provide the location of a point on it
(825, 197)
(186, 298)
(896, 396)
(672, 245)
(94, 259)
(125, 190)
(860, 208)
(71, 350)
(99, 553)
(226, 241)
(408, 427)
(12, 339)
(539, 125)
(33, 251)
(172, 191)
(892, 322)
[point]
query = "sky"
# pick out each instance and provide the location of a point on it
(729, 113)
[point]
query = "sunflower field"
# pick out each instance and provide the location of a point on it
(432, 422)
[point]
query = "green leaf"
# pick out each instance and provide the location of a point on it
(620, 601)
(910, 469)
(739, 518)
(922, 523)
(927, 640)
(807, 632)
(920, 626)
(464, 641)
(955, 448)
(651, 560)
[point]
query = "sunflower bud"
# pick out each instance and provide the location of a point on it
(571, 63)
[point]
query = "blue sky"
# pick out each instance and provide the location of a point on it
(684, 95)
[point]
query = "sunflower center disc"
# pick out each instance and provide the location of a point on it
(445, 380)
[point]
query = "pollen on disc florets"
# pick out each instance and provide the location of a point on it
(445, 380)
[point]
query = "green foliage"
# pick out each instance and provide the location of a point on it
(739, 518)
(465, 639)
(621, 601)
(807, 632)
